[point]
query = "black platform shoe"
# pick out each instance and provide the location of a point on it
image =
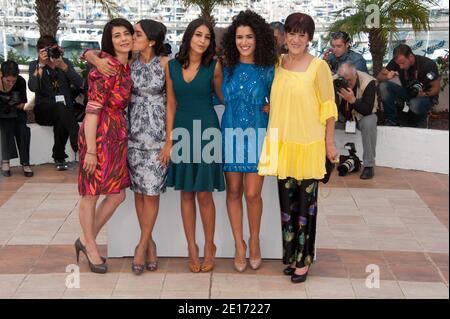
(299, 278)
(288, 271)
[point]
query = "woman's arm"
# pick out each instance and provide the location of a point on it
(170, 117)
(328, 111)
(103, 65)
(90, 131)
(99, 92)
(218, 79)
(332, 153)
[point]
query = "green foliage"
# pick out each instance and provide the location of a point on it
(361, 18)
(207, 6)
(19, 58)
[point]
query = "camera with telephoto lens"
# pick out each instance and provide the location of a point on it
(340, 83)
(413, 88)
(8, 102)
(53, 51)
(349, 163)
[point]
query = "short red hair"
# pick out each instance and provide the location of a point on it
(300, 22)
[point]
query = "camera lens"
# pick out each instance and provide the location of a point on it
(346, 167)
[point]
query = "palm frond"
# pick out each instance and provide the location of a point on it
(414, 12)
(109, 6)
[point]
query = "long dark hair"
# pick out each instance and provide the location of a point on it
(107, 43)
(183, 55)
(265, 52)
(154, 31)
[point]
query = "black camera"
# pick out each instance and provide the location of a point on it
(350, 163)
(9, 102)
(340, 83)
(53, 51)
(413, 88)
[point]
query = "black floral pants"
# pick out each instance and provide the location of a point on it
(298, 203)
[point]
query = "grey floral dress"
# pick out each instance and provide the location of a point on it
(147, 127)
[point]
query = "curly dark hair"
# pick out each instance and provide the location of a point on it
(183, 55)
(265, 52)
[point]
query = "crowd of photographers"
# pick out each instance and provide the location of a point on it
(55, 83)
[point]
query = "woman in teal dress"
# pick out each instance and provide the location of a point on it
(193, 145)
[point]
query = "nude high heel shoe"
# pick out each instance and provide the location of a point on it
(255, 263)
(238, 265)
(195, 267)
(210, 266)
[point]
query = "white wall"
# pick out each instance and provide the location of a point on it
(406, 148)
(41, 146)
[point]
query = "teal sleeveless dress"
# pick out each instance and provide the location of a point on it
(196, 159)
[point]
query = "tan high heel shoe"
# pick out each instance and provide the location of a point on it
(255, 263)
(239, 265)
(194, 267)
(210, 266)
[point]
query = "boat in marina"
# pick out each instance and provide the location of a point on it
(81, 38)
(82, 23)
(31, 37)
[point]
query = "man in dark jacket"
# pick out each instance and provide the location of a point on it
(51, 78)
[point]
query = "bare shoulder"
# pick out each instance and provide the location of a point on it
(164, 61)
(218, 66)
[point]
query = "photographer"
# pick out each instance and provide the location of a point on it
(420, 85)
(51, 77)
(340, 52)
(357, 104)
(280, 37)
(13, 119)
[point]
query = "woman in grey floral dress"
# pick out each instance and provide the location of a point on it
(146, 133)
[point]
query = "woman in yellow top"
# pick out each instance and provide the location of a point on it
(299, 138)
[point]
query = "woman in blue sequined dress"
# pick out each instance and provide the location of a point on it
(250, 56)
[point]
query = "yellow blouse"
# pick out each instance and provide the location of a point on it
(300, 104)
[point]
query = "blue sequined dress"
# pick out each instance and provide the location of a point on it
(244, 123)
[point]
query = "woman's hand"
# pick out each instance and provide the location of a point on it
(105, 67)
(332, 153)
(266, 108)
(164, 155)
(90, 163)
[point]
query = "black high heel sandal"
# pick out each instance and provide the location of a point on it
(98, 269)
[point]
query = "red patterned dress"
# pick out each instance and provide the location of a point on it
(108, 98)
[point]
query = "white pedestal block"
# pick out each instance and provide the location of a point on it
(124, 231)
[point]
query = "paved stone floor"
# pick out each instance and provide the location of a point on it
(397, 222)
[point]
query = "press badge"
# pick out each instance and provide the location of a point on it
(350, 127)
(60, 98)
(406, 108)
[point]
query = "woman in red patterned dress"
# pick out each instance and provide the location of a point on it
(103, 141)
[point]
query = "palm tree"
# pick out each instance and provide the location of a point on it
(414, 12)
(48, 15)
(207, 6)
